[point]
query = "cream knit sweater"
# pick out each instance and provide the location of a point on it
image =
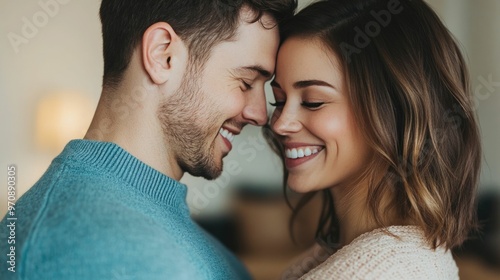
(377, 255)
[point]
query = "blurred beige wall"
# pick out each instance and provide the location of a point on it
(54, 51)
(62, 52)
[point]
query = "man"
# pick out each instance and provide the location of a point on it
(181, 79)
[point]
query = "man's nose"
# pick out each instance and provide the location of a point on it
(255, 111)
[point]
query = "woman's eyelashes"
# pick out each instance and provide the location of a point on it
(312, 105)
(309, 105)
(278, 104)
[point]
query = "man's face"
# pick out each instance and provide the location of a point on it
(213, 104)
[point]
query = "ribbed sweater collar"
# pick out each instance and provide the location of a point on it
(112, 159)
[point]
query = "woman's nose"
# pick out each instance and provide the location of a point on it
(285, 122)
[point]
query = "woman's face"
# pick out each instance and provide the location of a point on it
(314, 120)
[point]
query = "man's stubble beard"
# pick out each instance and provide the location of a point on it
(188, 126)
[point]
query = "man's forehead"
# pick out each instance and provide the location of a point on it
(251, 51)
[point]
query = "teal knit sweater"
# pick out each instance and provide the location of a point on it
(100, 213)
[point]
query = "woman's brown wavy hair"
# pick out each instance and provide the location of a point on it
(409, 89)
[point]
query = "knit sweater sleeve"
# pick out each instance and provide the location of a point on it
(378, 255)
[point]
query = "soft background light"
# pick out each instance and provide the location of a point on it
(61, 117)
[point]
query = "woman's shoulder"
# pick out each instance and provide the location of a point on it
(397, 252)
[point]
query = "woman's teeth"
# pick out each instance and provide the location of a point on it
(301, 152)
(226, 134)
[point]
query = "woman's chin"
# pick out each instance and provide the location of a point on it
(303, 187)
(298, 190)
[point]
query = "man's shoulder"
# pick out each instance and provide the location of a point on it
(66, 187)
(82, 222)
(87, 224)
(80, 207)
(110, 240)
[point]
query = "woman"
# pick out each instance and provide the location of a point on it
(373, 111)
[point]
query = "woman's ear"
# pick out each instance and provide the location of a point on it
(158, 48)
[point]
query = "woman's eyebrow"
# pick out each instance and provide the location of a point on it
(309, 83)
(304, 84)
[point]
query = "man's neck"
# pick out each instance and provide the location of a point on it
(134, 127)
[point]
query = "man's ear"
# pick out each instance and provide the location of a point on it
(158, 48)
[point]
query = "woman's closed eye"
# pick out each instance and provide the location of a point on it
(309, 105)
(312, 105)
(277, 104)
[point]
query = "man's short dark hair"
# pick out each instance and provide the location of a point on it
(200, 23)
